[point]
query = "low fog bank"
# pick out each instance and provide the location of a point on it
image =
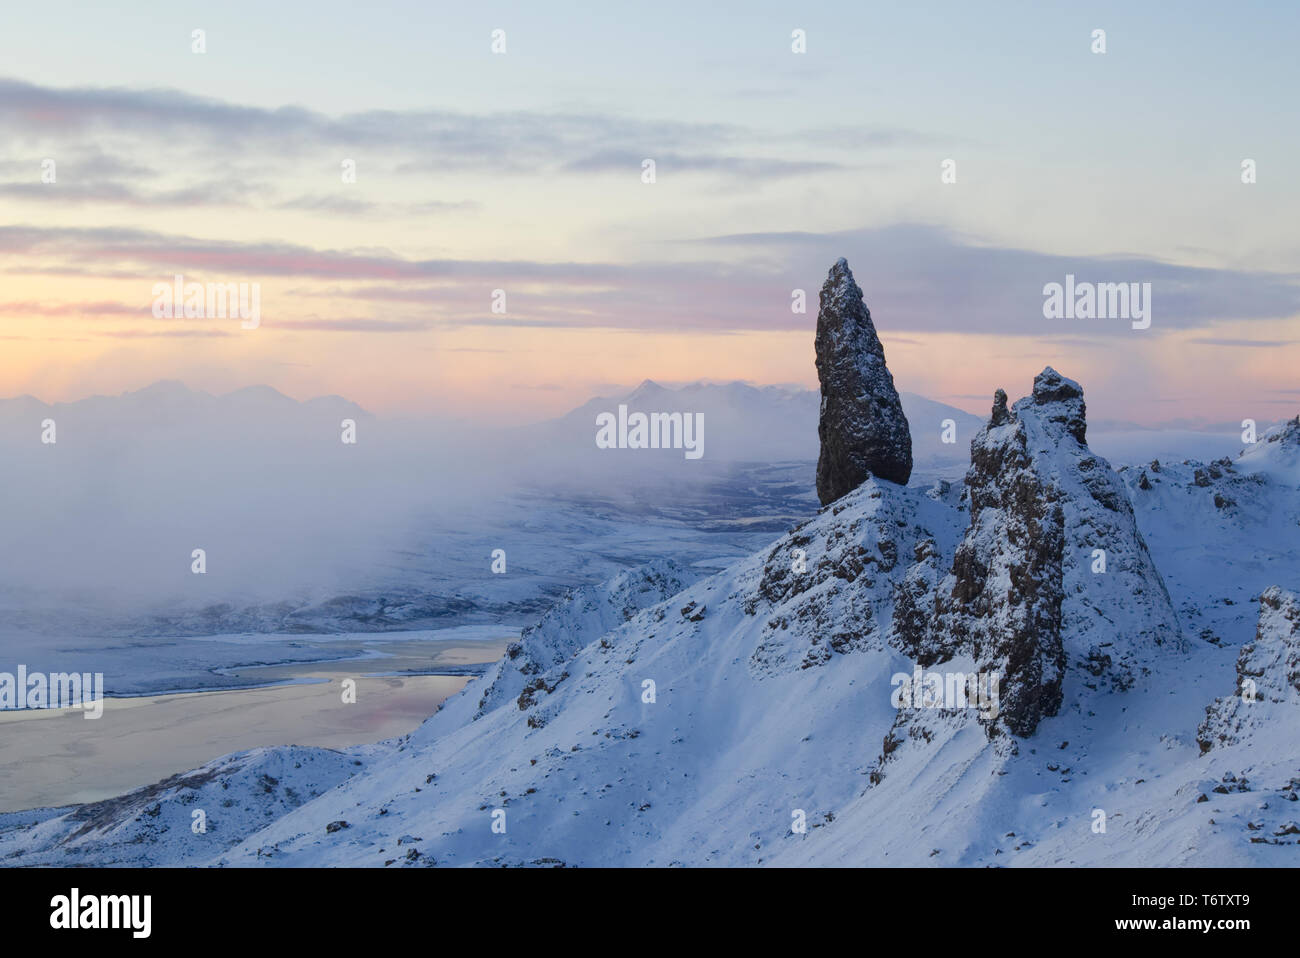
(109, 514)
(302, 531)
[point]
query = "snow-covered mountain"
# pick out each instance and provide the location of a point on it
(812, 703)
(170, 407)
(759, 424)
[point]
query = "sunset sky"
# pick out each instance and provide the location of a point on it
(522, 171)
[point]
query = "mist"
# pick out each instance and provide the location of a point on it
(108, 515)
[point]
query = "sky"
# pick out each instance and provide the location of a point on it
(522, 170)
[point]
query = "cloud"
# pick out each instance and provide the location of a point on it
(927, 279)
(218, 192)
(917, 279)
(92, 246)
(877, 138)
(623, 161)
(90, 161)
(1243, 343)
(353, 206)
(351, 325)
(163, 333)
(109, 192)
(71, 309)
(419, 140)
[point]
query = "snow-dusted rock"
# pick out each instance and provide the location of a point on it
(828, 587)
(1052, 572)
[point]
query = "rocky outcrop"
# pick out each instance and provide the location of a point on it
(913, 633)
(1268, 677)
(862, 428)
(826, 587)
(1052, 574)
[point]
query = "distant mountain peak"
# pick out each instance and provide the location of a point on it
(161, 388)
(257, 390)
(647, 388)
(173, 400)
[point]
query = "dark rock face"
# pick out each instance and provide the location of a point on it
(1000, 415)
(914, 604)
(863, 430)
(1003, 599)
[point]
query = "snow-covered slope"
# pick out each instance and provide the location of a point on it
(579, 618)
(183, 820)
(772, 693)
(1222, 532)
(1276, 454)
(770, 686)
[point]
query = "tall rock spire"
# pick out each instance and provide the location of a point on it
(863, 430)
